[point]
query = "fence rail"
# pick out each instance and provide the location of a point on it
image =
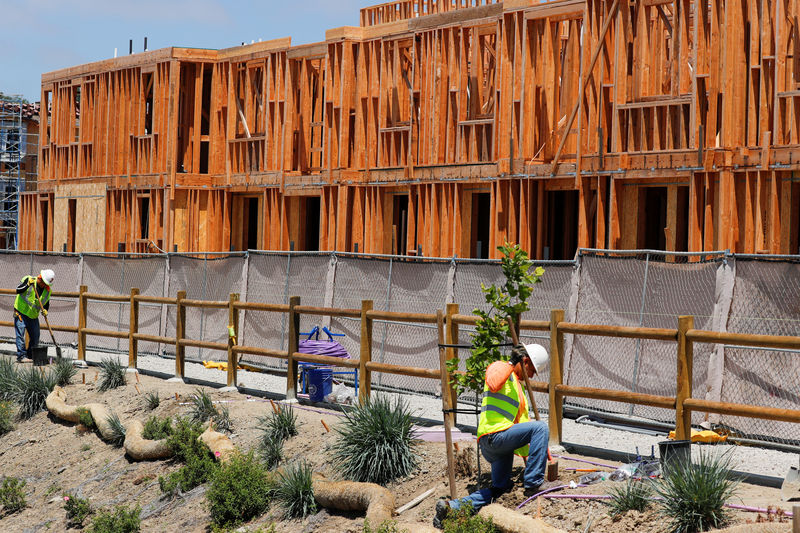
(684, 336)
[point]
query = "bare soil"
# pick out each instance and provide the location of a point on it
(55, 457)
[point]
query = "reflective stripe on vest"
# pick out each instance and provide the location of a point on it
(500, 409)
(26, 302)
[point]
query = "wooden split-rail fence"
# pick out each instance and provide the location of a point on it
(448, 322)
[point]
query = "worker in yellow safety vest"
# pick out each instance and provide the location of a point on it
(505, 430)
(33, 296)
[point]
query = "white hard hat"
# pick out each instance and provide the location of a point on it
(47, 276)
(539, 356)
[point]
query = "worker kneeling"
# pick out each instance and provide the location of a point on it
(505, 430)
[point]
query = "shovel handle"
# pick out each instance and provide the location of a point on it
(46, 321)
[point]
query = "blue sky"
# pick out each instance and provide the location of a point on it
(43, 35)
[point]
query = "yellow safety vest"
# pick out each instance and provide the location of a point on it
(500, 409)
(26, 302)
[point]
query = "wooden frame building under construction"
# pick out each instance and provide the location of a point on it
(440, 128)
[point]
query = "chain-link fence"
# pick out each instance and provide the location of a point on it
(744, 294)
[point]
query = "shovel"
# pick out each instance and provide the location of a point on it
(790, 490)
(58, 348)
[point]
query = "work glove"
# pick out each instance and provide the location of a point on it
(518, 353)
(31, 280)
(44, 312)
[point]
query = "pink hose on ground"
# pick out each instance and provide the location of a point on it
(545, 492)
(787, 514)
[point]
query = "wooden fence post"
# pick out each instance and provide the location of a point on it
(180, 334)
(365, 356)
(82, 322)
(683, 415)
(133, 328)
(451, 337)
(556, 401)
(233, 336)
(448, 414)
(294, 342)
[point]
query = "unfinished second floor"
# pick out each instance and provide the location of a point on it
(441, 90)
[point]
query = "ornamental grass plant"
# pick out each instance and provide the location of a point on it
(112, 374)
(294, 490)
(8, 378)
(376, 443)
(694, 494)
(31, 389)
(117, 430)
(632, 495)
(63, 370)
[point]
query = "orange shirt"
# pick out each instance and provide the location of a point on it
(497, 374)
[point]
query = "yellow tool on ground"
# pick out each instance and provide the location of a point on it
(706, 436)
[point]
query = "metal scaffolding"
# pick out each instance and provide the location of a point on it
(18, 153)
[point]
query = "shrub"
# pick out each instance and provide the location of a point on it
(85, 417)
(112, 374)
(12, 495)
(222, 420)
(117, 430)
(7, 412)
(694, 494)
(630, 496)
(32, 387)
(9, 376)
(238, 491)
(271, 450)
(463, 520)
(152, 400)
(202, 407)
(77, 510)
(294, 491)
(376, 443)
(63, 371)
(120, 519)
(198, 464)
(281, 424)
(156, 428)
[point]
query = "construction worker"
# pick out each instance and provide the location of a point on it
(505, 430)
(33, 296)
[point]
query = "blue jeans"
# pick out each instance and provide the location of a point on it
(498, 449)
(21, 323)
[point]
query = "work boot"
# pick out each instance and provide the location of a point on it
(546, 485)
(442, 508)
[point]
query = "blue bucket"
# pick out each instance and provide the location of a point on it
(320, 381)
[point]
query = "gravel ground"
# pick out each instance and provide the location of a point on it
(764, 462)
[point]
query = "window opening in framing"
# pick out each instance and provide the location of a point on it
(652, 218)
(311, 236)
(562, 225)
(252, 223)
(76, 115)
(147, 83)
(72, 208)
(481, 220)
(400, 224)
(45, 212)
(144, 218)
